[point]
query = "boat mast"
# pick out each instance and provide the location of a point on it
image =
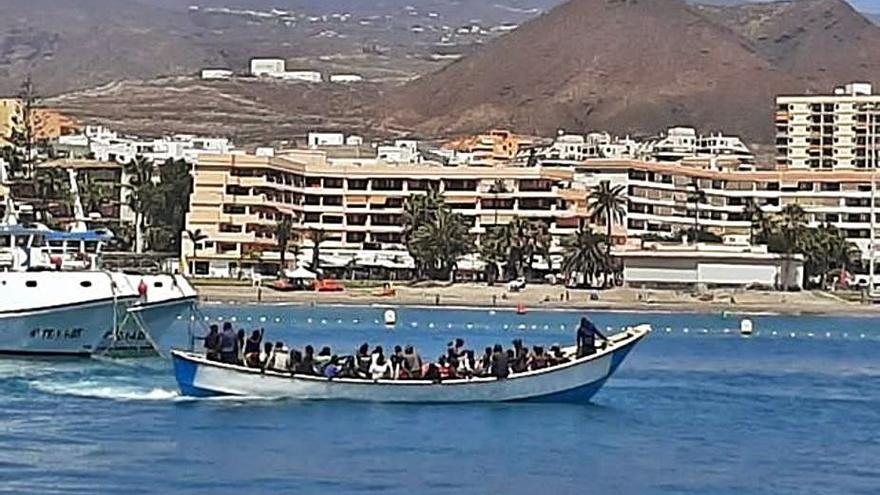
(79, 224)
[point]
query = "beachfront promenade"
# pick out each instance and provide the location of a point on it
(535, 297)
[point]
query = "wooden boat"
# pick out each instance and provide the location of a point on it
(575, 381)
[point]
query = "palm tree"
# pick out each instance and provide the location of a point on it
(498, 187)
(696, 196)
(439, 244)
(755, 215)
(607, 204)
(195, 236)
(493, 252)
(583, 254)
(418, 210)
(317, 237)
(282, 237)
(94, 194)
(140, 186)
(792, 231)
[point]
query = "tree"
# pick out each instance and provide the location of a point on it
(497, 188)
(607, 205)
(696, 196)
(792, 224)
(141, 195)
(583, 254)
(29, 103)
(195, 236)
(283, 231)
(317, 237)
(95, 194)
(493, 252)
(419, 210)
(440, 243)
(755, 215)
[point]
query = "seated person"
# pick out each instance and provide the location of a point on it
(484, 365)
(380, 369)
(307, 365)
(537, 359)
(446, 370)
(413, 361)
(252, 349)
(500, 362)
(332, 368)
(557, 356)
(263, 358)
(294, 361)
(280, 360)
(363, 359)
(466, 365)
(323, 357)
(349, 368)
(430, 371)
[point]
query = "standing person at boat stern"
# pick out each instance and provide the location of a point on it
(586, 337)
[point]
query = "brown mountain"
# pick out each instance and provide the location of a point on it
(817, 41)
(637, 66)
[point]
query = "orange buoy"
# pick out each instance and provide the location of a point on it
(521, 309)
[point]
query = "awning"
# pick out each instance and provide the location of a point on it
(300, 274)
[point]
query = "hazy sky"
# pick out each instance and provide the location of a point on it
(867, 5)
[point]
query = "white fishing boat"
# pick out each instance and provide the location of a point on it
(575, 381)
(165, 299)
(61, 313)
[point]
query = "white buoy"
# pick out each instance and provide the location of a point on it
(390, 317)
(746, 327)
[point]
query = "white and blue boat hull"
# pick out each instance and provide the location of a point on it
(70, 330)
(576, 381)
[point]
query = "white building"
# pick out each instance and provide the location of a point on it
(402, 151)
(346, 78)
(268, 67)
(711, 266)
(828, 132)
(216, 74)
(316, 139)
(302, 75)
(110, 146)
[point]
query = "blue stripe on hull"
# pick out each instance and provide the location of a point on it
(576, 395)
(185, 373)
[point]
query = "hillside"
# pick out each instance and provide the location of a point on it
(76, 44)
(624, 65)
(817, 41)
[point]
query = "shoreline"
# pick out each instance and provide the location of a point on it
(477, 297)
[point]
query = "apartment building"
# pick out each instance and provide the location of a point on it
(238, 200)
(46, 123)
(658, 196)
(677, 144)
(828, 132)
(498, 147)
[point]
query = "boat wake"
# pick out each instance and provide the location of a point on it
(98, 390)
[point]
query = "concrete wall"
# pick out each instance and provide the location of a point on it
(730, 272)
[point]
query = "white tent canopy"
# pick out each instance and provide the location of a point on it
(300, 274)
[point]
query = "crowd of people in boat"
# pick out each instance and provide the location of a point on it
(402, 363)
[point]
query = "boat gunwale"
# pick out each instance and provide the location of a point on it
(628, 338)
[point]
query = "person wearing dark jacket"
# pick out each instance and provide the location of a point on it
(500, 364)
(586, 337)
(212, 344)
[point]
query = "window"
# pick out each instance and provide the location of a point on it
(31, 283)
(234, 209)
(85, 283)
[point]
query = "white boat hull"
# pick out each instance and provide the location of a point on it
(576, 381)
(70, 330)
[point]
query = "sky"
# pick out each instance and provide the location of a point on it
(867, 5)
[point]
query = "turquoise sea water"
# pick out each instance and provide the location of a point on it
(695, 409)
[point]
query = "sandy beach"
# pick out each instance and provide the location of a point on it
(543, 297)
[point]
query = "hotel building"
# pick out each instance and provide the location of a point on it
(658, 196)
(828, 132)
(239, 199)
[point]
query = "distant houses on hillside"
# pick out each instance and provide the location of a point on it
(276, 69)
